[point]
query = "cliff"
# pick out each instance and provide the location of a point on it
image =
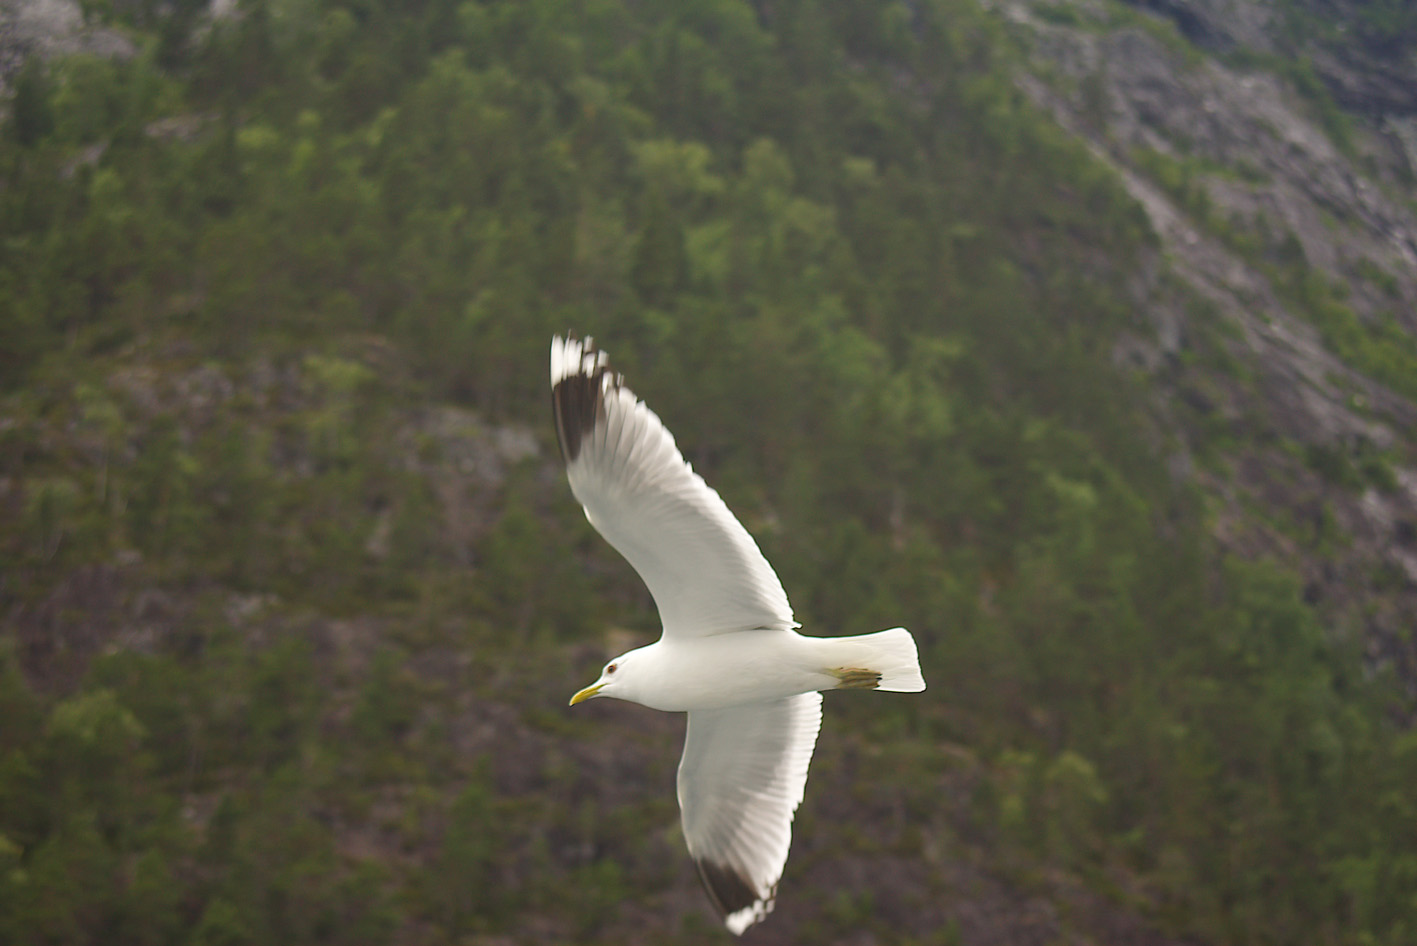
(1276, 165)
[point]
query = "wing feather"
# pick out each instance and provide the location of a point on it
(704, 570)
(741, 778)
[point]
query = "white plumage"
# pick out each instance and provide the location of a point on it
(741, 779)
(703, 569)
(729, 654)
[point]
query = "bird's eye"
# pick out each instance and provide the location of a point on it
(610, 669)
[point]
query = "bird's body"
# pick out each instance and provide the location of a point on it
(678, 674)
(729, 655)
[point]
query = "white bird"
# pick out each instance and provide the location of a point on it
(728, 655)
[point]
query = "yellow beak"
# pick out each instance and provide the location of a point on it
(586, 694)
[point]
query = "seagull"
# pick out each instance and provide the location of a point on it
(729, 654)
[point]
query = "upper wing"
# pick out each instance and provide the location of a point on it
(740, 780)
(704, 570)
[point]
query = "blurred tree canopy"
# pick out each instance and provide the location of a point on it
(258, 609)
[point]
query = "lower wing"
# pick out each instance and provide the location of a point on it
(741, 779)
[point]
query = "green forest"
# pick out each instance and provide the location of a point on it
(294, 592)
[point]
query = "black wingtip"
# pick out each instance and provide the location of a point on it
(729, 890)
(578, 397)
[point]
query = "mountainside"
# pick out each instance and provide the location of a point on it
(1284, 355)
(1078, 337)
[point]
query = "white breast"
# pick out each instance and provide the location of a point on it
(724, 670)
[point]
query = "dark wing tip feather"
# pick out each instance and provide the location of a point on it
(578, 398)
(729, 890)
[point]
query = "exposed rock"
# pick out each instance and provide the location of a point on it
(466, 460)
(93, 608)
(1219, 25)
(1368, 85)
(1256, 179)
(50, 28)
(1404, 130)
(1368, 74)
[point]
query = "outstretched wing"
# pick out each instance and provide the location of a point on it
(740, 781)
(704, 570)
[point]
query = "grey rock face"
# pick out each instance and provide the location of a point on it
(51, 28)
(1219, 25)
(1247, 180)
(1368, 71)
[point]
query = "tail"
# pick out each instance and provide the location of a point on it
(885, 660)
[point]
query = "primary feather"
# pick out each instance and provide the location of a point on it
(704, 570)
(741, 778)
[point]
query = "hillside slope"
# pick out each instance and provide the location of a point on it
(293, 592)
(1285, 358)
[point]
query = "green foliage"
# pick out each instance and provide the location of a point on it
(1333, 465)
(31, 117)
(465, 872)
(1380, 349)
(875, 295)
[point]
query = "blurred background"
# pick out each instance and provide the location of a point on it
(1076, 335)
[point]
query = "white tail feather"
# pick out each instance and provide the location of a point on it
(890, 653)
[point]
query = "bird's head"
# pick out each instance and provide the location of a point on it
(615, 680)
